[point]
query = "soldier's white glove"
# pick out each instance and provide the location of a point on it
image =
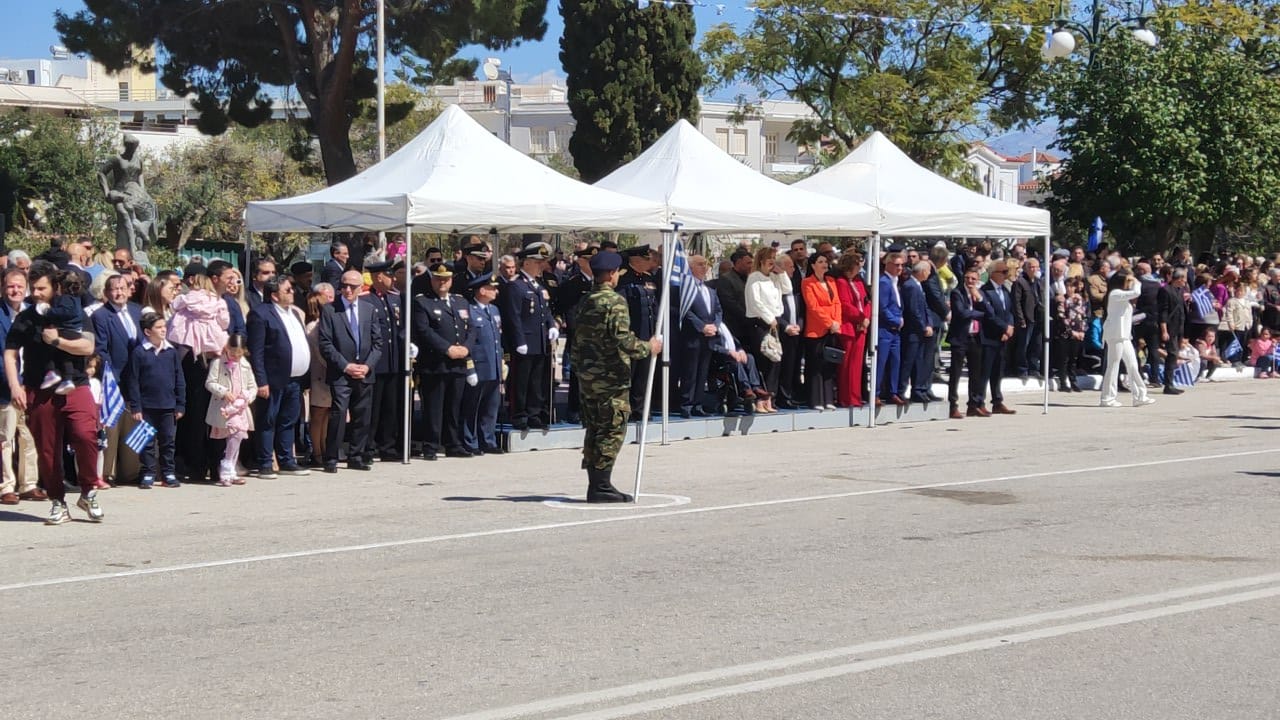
(413, 351)
(553, 334)
(522, 350)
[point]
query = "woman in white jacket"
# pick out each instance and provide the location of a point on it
(1117, 335)
(764, 307)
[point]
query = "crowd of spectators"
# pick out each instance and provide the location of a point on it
(302, 370)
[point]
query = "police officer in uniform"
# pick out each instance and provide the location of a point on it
(528, 333)
(482, 398)
(639, 287)
(441, 326)
(471, 268)
(388, 385)
(603, 352)
(572, 290)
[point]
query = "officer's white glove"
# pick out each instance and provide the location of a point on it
(472, 378)
(553, 334)
(522, 350)
(413, 351)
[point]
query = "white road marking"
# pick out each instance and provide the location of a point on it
(342, 549)
(578, 503)
(861, 666)
(550, 705)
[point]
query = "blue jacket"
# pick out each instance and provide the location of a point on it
(485, 341)
(155, 380)
(915, 312)
(6, 322)
(999, 315)
(112, 342)
(270, 353)
(237, 325)
(890, 310)
(526, 315)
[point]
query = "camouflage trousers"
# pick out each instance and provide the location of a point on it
(605, 419)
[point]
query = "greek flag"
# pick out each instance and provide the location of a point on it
(140, 438)
(1234, 350)
(112, 401)
(681, 278)
(1203, 300)
(1184, 375)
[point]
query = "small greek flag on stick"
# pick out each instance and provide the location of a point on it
(112, 401)
(141, 437)
(1184, 376)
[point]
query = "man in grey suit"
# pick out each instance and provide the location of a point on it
(351, 341)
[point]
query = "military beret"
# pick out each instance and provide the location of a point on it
(536, 251)
(440, 270)
(605, 261)
(637, 251)
(492, 280)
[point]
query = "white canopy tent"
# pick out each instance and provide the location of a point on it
(914, 201)
(456, 176)
(705, 189)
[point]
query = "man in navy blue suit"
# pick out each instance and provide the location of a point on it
(997, 331)
(968, 308)
(529, 332)
(116, 330)
(916, 332)
(281, 360)
(697, 334)
(888, 351)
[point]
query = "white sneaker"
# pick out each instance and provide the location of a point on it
(65, 387)
(1110, 403)
(58, 514)
(89, 504)
(1145, 401)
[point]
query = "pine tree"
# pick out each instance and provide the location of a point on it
(632, 73)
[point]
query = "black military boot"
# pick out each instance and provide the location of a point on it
(601, 490)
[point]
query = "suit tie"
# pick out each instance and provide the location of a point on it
(353, 322)
(129, 328)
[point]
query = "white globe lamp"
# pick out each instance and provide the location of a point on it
(1145, 36)
(1061, 43)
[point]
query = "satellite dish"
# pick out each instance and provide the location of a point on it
(490, 68)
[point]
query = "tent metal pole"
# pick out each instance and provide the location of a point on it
(405, 305)
(663, 328)
(1045, 280)
(873, 286)
(648, 396)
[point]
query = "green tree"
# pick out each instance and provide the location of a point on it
(49, 173)
(632, 73)
(924, 73)
(226, 54)
(409, 111)
(1179, 145)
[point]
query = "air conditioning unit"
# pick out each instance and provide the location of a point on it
(14, 76)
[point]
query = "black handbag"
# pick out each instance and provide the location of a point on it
(832, 352)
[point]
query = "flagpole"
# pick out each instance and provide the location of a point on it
(663, 328)
(648, 396)
(405, 304)
(1045, 280)
(873, 287)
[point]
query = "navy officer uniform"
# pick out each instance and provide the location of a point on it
(389, 372)
(528, 332)
(482, 398)
(639, 287)
(441, 329)
(575, 286)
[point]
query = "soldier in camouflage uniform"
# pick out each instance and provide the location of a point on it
(603, 350)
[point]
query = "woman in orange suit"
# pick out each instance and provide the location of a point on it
(855, 318)
(821, 324)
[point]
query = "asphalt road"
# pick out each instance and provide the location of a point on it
(1094, 563)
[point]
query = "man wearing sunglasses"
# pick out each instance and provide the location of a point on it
(350, 340)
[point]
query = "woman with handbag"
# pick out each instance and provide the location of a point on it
(821, 328)
(764, 305)
(855, 318)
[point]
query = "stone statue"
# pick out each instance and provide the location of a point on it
(121, 179)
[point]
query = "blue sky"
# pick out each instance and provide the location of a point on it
(27, 32)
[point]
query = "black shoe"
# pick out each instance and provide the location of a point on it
(699, 412)
(932, 397)
(1173, 390)
(601, 490)
(537, 424)
(686, 414)
(358, 465)
(331, 468)
(573, 418)
(1076, 388)
(494, 451)
(458, 453)
(428, 454)
(520, 425)
(389, 458)
(923, 399)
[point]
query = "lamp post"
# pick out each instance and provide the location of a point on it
(1061, 42)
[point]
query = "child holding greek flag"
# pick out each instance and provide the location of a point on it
(157, 394)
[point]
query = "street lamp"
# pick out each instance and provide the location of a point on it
(1061, 42)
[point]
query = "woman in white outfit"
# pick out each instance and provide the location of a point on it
(1117, 335)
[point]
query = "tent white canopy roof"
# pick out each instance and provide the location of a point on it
(914, 201)
(706, 189)
(457, 176)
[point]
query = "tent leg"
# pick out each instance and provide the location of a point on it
(1045, 280)
(405, 305)
(873, 285)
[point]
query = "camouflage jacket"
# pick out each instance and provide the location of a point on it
(603, 344)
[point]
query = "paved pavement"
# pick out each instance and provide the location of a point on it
(1093, 563)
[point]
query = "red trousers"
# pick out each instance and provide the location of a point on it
(58, 420)
(849, 377)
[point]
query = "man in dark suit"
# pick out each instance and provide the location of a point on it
(1147, 329)
(441, 330)
(281, 360)
(640, 288)
(350, 340)
(997, 331)
(575, 286)
(389, 373)
(528, 333)
(264, 270)
(889, 350)
(1173, 318)
(473, 265)
(939, 313)
(117, 330)
(482, 399)
(696, 334)
(1028, 316)
(968, 308)
(731, 290)
(337, 264)
(916, 333)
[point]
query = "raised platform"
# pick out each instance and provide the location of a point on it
(565, 436)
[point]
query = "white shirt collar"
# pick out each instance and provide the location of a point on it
(164, 345)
